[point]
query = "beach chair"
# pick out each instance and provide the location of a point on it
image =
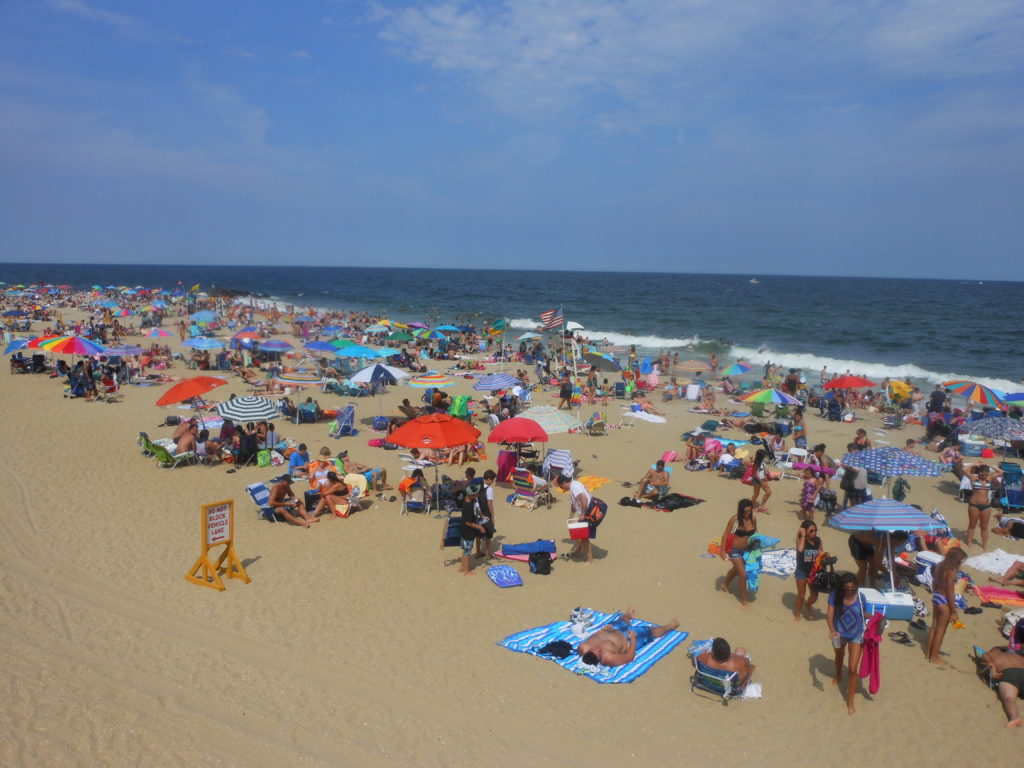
(109, 391)
(260, 495)
(526, 493)
(163, 455)
(620, 390)
(725, 685)
(417, 499)
(358, 488)
(345, 423)
(758, 414)
(597, 424)
(460, 408)
(558, 462)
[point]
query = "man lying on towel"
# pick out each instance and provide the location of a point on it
(616, 644)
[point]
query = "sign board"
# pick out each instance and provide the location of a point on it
(217, 523)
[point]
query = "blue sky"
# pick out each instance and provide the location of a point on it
(761, 136)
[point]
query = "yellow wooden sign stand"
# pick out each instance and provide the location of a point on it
(217, 523)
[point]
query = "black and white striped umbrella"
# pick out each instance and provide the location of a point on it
(248, 408)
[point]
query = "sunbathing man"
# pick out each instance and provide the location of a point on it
(645, 405)
(284, 502)
(654, 484)
(722, 657)
(1008, 672)
(617, 642)
(1014, 576)
(375, 476)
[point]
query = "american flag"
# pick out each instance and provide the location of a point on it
(553, 318)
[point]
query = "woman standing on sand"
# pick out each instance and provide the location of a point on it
(943, 603)
(808, 547)
(759, 479)
(846, 629)
(733, 544)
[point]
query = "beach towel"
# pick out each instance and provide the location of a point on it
(1000, 595)
(504, 576)
(645, 416)
(752, 560)
(779, 562)
(593, 482)
(531, 640)
(871, 660)
(996, 562)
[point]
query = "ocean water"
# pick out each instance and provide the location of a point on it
(930, 330)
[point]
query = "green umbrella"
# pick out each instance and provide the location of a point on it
(400, 336)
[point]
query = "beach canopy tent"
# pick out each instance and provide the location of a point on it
(378, 372)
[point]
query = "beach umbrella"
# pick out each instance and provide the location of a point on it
(892, 462)
(899, 390)
(771, 396)
(298, 378)
(34, 343)
(399, 336)
(527, 336)
(343, 343)
(124, 350)
(371, 374)
(849, 382)
(645, 366)
(305, 319)
(203, 342)
(996, 427)
(189, 388)
(434, 430)
(376, 329)
(321, 346)
(736, 369)
(413, 325)
(15, 345)
(124, 312)
(248, 408)
(884, 515)
(518, 430)
(158, 333)
(495, 381)
(333, 328)
(1016, 397)
(449, 328)
(71, 345)
(427, 333)
(601, 362)
(573, 326)
(693, 366)
(358, 350)
(203, 316)
(974, 392)
(247, 334)
(275, 345)
(431, 379)
(552, 420)
(15, 313)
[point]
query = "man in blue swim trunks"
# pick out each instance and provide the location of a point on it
(375, 476)
(617, 642)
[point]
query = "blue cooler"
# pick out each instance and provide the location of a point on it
(895, 606)
(784, 428)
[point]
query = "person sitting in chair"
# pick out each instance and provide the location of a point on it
(654, 484)
(722, 657)
(375, 476)
(284, 503)
(617, 642)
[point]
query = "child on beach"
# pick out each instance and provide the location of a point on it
(808, 494)
(943, 603)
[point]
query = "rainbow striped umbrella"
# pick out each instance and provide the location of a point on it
(771, 396)
(71, 345)
(736, 369)
(975, 392)
(431, 379)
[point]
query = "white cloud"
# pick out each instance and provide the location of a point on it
(81, 9)
(301, 55)
(238, 52)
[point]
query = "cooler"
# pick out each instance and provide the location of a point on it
(897, 606)
(927, 560)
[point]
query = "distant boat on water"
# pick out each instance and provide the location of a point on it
(754, 280)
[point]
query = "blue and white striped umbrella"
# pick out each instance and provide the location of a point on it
(495, 381)
(275, 345)
(884, 515)
(321, 346)
(125, 349)
(893, 462)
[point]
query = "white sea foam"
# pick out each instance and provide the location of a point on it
(812, 364)
(618, 339)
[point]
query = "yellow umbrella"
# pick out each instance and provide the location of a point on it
(899, 389)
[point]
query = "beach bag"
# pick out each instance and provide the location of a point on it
(900, 488)
(595, 512)
(172, 421)
(377, 442)
(846, 484)
(827, 500)
(540, 562)
(380, 424)
(825, 580)
(668, 456)
(748, 476)
(263, 458)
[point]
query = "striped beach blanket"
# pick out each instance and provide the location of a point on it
(531, 640)
(1000, 595)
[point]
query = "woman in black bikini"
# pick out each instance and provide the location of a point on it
(760, 480)
(738, 531)
(808, 547)
(979, 508)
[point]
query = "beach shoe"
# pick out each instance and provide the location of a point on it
(990, 604)
(919, 624)
(973, 610)
(900, 637)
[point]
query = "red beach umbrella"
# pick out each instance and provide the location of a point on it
(435, 430)
(186, 390)
(518, 430)
(849, 382)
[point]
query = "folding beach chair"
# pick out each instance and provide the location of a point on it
(345, 423)
(526, 493)
(260, 495)
(715, 681)
(558, 462)
(109, 391)
(417, 499)
(596, 424)
(164, 454)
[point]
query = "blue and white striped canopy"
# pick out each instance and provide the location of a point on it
(892, 462)
(495, 381)
(884, 515)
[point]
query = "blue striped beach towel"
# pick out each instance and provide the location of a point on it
(530, 640)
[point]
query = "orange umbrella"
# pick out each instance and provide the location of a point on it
(435, 430)
(189, 388)
(849, 382)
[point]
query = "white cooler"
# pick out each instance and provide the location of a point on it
(926, 560)
(898, 606)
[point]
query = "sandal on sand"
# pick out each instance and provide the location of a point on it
(900, 637)
(919, 624)
(972, 610)
(626, 484)
(990, 604)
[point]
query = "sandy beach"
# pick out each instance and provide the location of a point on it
(355, 643)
